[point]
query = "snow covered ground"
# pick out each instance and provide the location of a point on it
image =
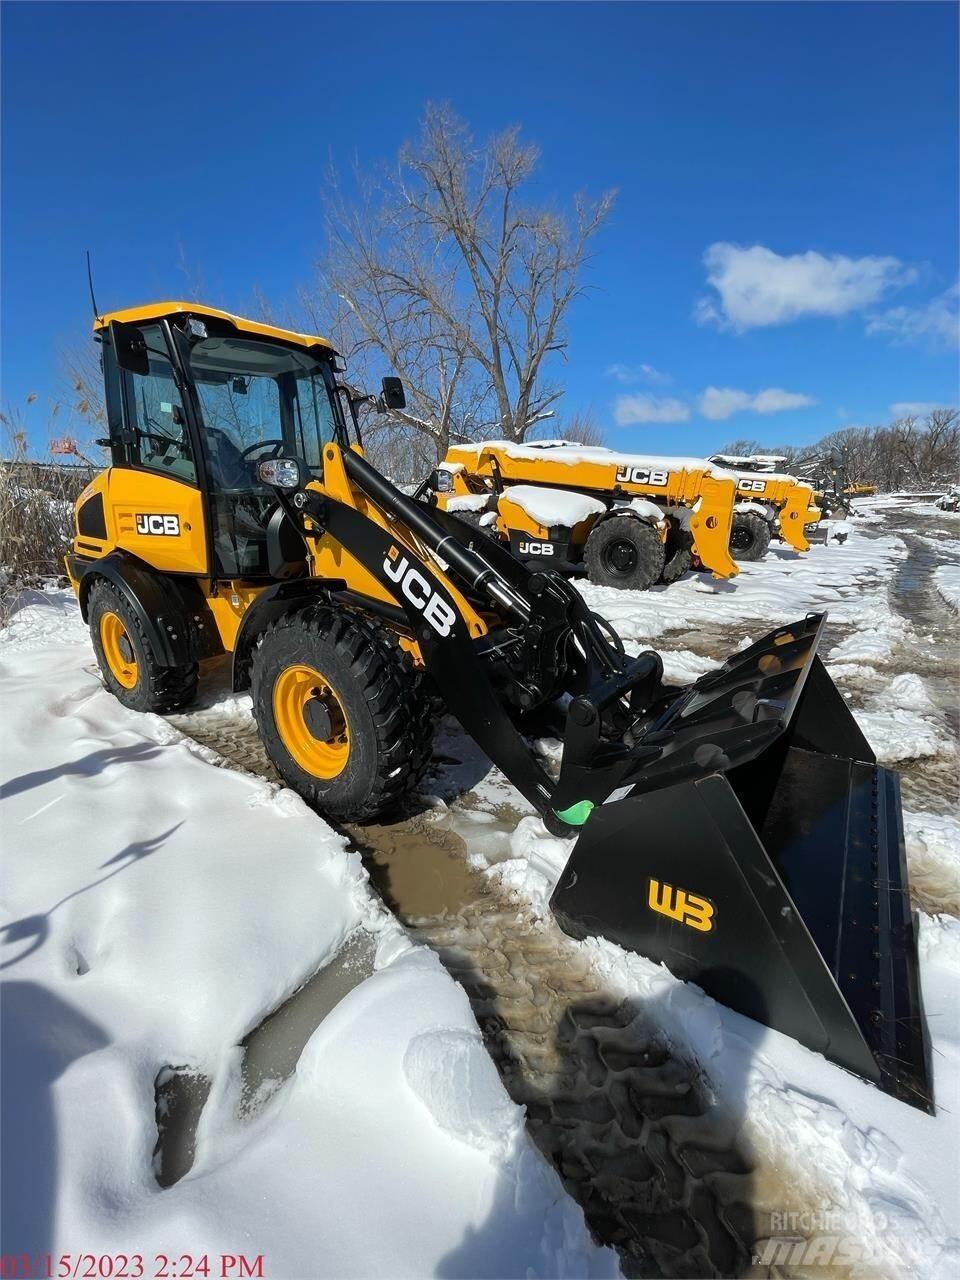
(155, 908)
(947, 579)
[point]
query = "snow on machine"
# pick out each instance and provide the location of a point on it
(628, 520)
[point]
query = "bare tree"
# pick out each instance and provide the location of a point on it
(581, 427)
(443, 271)
(911, 452)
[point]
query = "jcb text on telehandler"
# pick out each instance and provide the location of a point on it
(770, 505)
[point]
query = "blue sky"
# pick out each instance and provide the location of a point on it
(783, 248)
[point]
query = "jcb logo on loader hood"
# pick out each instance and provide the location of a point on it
(642, 475)
(161, 526)
(416, 587)
(686, 908)
(751, 486)
(535, 548)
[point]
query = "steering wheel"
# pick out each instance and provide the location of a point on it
(277, 446)
(164, 440)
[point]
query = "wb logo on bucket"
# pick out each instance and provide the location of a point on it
(687, 908)
(161, 526)
(418, 591)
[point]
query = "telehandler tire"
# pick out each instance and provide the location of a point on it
(128, 664)
(624, 552)
(750, 536)
(679, 553)
(341, 712)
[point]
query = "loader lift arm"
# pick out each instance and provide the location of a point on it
(549, 638)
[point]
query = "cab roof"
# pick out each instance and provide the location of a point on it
(165, 310)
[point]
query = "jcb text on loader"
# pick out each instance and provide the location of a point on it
(737, 828)
(628, 520)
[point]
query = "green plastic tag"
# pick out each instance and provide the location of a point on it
(577, 814)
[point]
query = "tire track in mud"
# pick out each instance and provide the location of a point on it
(626, 1124)
(658, 1169)
(929, 649)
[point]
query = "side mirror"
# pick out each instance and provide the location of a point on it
(282, 473)
(392, 395)
(130, 347)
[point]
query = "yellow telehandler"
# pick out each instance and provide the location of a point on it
(627, 520)
(737, 829)
(770, 505)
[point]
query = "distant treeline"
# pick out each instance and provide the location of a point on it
(915, 452)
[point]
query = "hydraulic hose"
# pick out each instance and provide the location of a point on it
(468, 564)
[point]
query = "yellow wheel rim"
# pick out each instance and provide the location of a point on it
(311, 721)
(118, 651)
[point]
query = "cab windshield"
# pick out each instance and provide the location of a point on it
(259, 400)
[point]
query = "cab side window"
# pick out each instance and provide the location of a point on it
(157, 435)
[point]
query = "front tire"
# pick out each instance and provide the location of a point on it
(127, 661)
(341, 713)
(624, 552)
(749, 536)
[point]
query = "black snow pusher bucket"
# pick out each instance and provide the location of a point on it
(760, 854)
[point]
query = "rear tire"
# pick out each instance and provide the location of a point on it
(343, 717)
(750, 536)
(679, 553)
(624, 552)
(127, 662)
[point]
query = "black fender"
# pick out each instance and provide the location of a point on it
(627, 510)
(171, 610)
(280, 599)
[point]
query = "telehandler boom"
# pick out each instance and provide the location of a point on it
(737, 829)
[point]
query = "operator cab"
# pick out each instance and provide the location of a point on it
(203, 397)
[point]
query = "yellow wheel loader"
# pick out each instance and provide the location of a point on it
(770, 505)
(737, 829)
(628, 521)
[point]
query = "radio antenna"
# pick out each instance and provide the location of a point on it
(93, 301)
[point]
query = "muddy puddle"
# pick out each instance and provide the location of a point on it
(179, 1094)
(272, 1050)
(270, 1053)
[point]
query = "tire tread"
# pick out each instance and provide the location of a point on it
(165, 688)
(394, 694)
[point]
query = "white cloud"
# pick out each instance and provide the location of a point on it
(717, 403)
(643, 408)
(915, 408)
(755, 287)
(628, 373)
(936, 322)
